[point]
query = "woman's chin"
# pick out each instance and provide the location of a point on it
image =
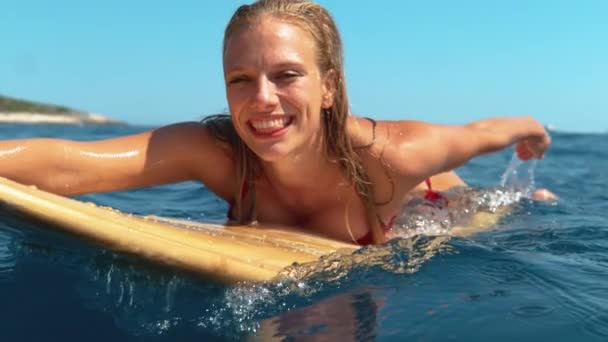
(271, 154)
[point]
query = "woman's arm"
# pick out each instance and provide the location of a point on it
(417, 150)
(169, 154)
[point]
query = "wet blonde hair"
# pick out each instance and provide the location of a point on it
(338, 146)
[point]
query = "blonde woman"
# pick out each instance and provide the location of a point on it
(289, 153)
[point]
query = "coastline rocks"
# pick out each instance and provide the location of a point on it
(71, 118)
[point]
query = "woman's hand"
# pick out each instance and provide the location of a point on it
(533, 147)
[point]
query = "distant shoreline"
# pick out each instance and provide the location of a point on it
(71, 118)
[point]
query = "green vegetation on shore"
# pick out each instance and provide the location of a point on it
(15, 110)
(12, 105)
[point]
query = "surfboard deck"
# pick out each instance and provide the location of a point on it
(223, 252)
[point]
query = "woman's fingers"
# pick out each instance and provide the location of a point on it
(523, 151)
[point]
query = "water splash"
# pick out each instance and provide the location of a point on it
(424, 217)
(246, 304)
(518, 178)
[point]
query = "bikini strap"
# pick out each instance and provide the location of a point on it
(371, 143)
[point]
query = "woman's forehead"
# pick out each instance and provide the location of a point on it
(273, 39)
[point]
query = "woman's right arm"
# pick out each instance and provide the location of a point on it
(169, 154)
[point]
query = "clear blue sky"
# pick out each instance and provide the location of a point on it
(156, 62)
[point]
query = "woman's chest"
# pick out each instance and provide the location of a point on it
(341, 215)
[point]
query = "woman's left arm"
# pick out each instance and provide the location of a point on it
(417, 150)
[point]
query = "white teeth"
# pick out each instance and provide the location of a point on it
(270, 124)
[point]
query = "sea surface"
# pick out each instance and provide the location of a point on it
(541, 273)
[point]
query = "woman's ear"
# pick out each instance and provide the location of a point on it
(329, 89)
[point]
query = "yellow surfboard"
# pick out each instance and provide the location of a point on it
(226, 253)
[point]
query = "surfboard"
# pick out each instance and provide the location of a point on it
(223, 252)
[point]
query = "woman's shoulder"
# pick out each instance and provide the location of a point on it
(397, 143)
(394, 152)
(365, 130)
(206, 134)
(200, 149)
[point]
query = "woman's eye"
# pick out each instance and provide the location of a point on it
(288, 75)
(237, 79)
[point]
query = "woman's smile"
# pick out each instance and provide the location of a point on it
(272, 126)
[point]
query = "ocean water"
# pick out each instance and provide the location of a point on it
(541, 273)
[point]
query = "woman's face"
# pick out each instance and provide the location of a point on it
(275, 89)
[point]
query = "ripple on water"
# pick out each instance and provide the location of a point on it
(8, 260)
(532, 311)
(503, 271)
(597, 325)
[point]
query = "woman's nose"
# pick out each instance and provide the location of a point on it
(265, 92)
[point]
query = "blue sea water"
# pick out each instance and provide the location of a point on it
(540, 274)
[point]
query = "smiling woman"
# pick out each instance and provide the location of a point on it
(289, 153)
